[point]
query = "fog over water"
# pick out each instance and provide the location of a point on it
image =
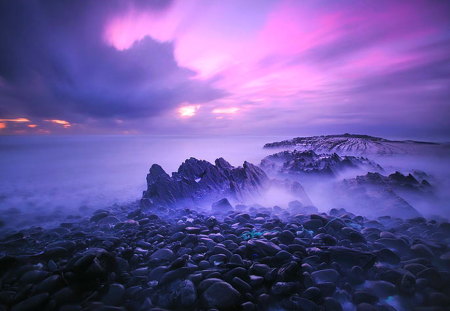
(76, 173)
(62, 175)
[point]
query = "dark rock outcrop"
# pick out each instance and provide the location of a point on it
(396, 182)
(310, 163)
(386, 193)
(358, 144)
(197, 181)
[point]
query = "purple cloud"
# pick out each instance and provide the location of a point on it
(252, 67)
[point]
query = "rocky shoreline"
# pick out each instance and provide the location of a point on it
(196, 241)
(252, 258)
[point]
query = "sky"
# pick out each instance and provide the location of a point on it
(213, 67)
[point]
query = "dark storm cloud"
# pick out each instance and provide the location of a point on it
(55, 64)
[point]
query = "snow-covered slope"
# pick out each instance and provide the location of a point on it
(358, 144)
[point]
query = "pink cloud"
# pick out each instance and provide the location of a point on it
(301, 60)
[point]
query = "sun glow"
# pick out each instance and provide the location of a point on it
(64, 123)
(20, 120)
(188, 111)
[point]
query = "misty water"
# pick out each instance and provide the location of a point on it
(52, 177)
(75, 174)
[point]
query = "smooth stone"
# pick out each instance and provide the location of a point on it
(331, 304)
(388, 256)
(248, 306)
(421, 250)
(390, 275)
(7, 297)
(295, 302)
(438, 299)
(364, 296)
(357, 275)
(222, 206)
(64, 296)
(221, 295)
(70, 308)
(140, 271)
(162, 254)
(108, 220)
(173, 275)
(352, 235)
(382, 289)
(407, 284)
(263, 248)
(283, 256)
(222, 250)
(241, 285)
(50, 284)
(282, 288)
(366, 307)
(52, 266)
(387, 234)
(206, 283)
(33, 276)
(114, 295)
(414, 268)
(193, 230)
(313, 224)
(324, 239)
(432, 276)
(236, 259)
(32, 303)
(286, 237)
(327, 288)
(217, 259)
(238, 271)
(259, 269)
(312, 293)
(256, 280)
(394, 243)
(325, 275)
(204, 264)
(96, 217)
(180, 293)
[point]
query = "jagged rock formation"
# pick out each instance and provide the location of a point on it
(198, 180)
(395, 181)
(357, 144)
(374, 194)
(199, 183)
(310, 163)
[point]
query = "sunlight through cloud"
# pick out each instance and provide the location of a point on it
(230, 110)
(188, 111)
(20, 120)
(64, 123)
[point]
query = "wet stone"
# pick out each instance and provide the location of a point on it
(326, 275)
(31, 304)
(364, 297)
(114, 295)
(313, 294)
(162, 254)
(221, 295)
(331, 304)
(388, 256)
(382, 289)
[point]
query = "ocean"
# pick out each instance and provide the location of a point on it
(60, 175)
(51, 178)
